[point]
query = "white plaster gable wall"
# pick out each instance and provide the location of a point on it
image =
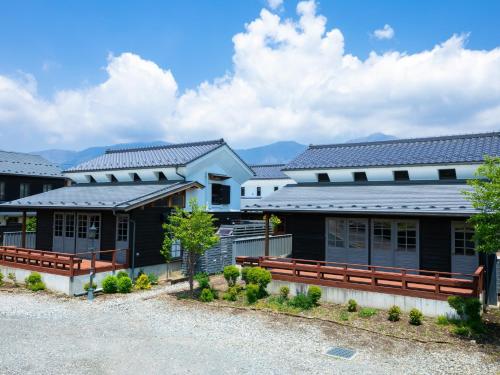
(427, 172)
(266, 186)
(221, 161)
(125, 175)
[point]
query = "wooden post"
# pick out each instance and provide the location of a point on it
(23, 231)
(266, 236)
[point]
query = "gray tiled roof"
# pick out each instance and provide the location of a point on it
(146, 157)
(435, 150)
(268, 172)
(100, 196)
(27, 165)
(408, 199)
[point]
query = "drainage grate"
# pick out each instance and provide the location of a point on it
(339, 352)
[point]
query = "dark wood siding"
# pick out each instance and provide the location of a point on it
(12, 183)
(149, 234)
(44, 229)
(435, 244)
(308, 235)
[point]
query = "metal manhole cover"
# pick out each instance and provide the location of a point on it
(339, 352)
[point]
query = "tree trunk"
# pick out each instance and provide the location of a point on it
(191, 272)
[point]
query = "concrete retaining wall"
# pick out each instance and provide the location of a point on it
(428, 307)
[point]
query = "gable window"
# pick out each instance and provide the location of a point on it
(2, 191)
(47, 187)
(406, 236)
(463, 243)
(259, 191)
(276, 188)
(242, 191)
(221, 194)
(360, 176)
(24, 190)
(401, 176)
(447, 174)
(323, 177)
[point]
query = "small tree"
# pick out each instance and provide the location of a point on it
(196, 232)
(31, 224)
(485, 197)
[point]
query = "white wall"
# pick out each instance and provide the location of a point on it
(428, 172)
(267, 186)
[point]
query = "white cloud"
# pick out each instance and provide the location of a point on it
(387, 32)
(275, 4)
(290, 80)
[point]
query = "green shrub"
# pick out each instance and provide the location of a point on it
(142, 282)
(34, 282)
(472, 309)
(344, 315)
(86, 286)
(457, 303)
(110, 284)
(231, 274)
(153, 278)
(121, 274)
(33, 278)
(203, 280)
(301, 301)
(352, 305)
(367, 312)
(442, 320)
(394, 314)
(231, 294)
(1, 278)
(124, 284)
(260, 277)
(35, 287)
(416, 317)
(463, 331)
(284, 292)
(206, 295)
(314, 294)
(252, 293)
(244, 273)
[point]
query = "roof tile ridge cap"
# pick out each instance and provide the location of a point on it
(167, 146)
(266, 165)
(410, 140)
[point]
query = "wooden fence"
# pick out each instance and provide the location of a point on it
(392, 280)
(58, 263)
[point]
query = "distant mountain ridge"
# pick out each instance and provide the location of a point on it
(275, 153)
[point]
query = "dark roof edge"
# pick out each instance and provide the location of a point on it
(364, 166)
(266, 165)
(380, 183)
(61, 177)
(174, 145)
(407, 140)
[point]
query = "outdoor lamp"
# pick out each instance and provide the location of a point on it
(92, 232)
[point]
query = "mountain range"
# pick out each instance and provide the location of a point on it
(274, 153)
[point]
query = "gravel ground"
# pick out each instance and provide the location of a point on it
(152, 333)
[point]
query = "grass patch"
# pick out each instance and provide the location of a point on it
(367, 312)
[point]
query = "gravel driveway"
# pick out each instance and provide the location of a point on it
(150, 333)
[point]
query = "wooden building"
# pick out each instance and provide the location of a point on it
(22, 175)
(128, 194)
(391, 203)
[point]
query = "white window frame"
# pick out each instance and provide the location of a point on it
(468, 229)
(62, 224)
(394, 234)
(347, 244)
(118, 222)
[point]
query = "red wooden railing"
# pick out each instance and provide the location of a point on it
(58, 263)
(393, 280)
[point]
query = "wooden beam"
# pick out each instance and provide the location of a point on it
(23, 231)
(266, 236)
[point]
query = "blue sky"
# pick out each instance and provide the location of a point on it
(81, 73)
(65, 44)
